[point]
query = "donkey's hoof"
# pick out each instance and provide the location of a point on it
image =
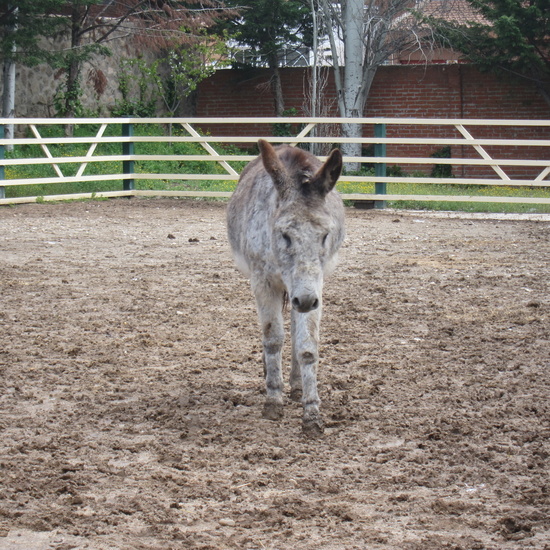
(273, 410)
(313, 426)
(296, 395)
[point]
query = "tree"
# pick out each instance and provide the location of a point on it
(316, 103)
(186, 65)
(8, 94)
(22, 23)
(365, 35)
(91, 25)
(513, 38)
(172, 76)
(154, 24)
(267, 28)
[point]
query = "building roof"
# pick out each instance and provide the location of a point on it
(455, 11)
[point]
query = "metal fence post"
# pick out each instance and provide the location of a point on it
(380, 168)
(2, 169)
(128, 149)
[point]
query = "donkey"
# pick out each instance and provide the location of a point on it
(285, 225)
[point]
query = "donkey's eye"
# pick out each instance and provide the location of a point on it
(288, 240)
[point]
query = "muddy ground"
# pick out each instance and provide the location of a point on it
(131, 389)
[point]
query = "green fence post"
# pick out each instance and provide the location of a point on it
(128, 149)
(2, 172)
(380, 168)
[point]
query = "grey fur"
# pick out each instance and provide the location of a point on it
(285, 225)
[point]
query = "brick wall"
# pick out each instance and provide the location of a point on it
(418, 91)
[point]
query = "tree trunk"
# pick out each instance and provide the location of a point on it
(72, 95)
(8, 99)
(276, 86)
(314, 68)
(72, 83)
(353, 78)
(8, 96)
(313, 147)
(544, 92)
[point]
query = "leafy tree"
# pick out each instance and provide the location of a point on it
(22, 24)
(267, 28)
(186, 65)
(512, 39)
(363, 35)
(154, 24)
(171, 76)
(91, 25)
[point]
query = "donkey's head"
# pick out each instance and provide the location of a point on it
(306, 233)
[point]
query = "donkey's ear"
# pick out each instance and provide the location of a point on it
(326, 177)
(272, 163)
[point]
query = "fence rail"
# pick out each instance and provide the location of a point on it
(511, 153)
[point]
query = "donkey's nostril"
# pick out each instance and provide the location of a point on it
(305, 304)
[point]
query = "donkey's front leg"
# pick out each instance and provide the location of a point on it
(270, 311)
(305, 357)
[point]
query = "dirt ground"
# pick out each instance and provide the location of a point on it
(131, 389)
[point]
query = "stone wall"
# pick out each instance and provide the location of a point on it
(36, 87)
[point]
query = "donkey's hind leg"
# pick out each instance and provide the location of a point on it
(270, 311)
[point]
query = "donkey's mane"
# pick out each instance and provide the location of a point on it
(301, 165)
(296, 158)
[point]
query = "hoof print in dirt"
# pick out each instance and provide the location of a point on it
(313, 427)
(273, 411)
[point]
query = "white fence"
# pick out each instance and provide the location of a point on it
(505, 148)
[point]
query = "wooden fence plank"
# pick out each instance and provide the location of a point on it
(247, 158)
(276, 120)
(462, 126)
(289, 140)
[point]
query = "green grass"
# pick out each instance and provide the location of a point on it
(456, 190)
(195, 167)
(103, 168)
(471, 190)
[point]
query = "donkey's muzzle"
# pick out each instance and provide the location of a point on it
(305, 303)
